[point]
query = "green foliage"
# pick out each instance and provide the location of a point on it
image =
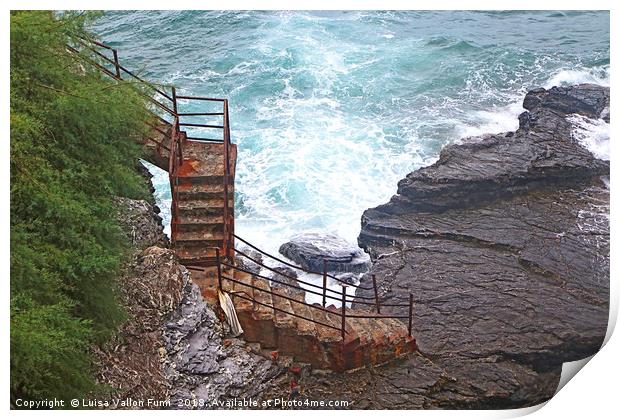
(71, 153)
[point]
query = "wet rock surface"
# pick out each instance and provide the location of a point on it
(349, 279)
(311, 248)
(284, 278)
(201, 363)
(251, 264)
(141, 222)
(539, 154)
(504, 243)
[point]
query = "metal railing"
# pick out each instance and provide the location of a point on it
(175, 159)
(173, 125)
(303, 286)
(324, 274)
(97, 54)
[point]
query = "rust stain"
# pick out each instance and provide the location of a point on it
(189, 167)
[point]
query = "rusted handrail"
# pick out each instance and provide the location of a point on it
(343, 310)
(118, 68)
(234, 267)
(356, 299)
(201, 98)
(200, 114)
(207, 139)
(324, 289)
(175, 159)
(271, 292)
(222, 277)
(287, 312)
(273, 257)
(88, 42)
(169, 103)
(201, 125)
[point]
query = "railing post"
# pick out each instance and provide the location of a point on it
(231, 244)
(116, 64)
(324, 283)
(225, 145)
(344, 312)
(219, 267)
(374, 285)
(172, 177)
(253, 293)
(410, 311)
(179, 141)
(174, 100)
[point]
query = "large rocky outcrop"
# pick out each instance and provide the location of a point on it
(504, 243)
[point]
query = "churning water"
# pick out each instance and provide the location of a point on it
(331, 109)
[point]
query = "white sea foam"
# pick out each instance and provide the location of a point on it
(315, 176)
(497, 120)
(593, 134)
(163, 199)
(564, 77)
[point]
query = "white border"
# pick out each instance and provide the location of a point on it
(592, 394)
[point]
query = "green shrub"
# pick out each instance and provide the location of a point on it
(71, 153)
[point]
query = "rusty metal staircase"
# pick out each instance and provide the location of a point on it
(201, 172)
(198, 222)
(274, 313)
(284, 324)
(272, 310)
(194, 147)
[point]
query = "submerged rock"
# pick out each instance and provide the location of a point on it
(504, 243)
(310, 249)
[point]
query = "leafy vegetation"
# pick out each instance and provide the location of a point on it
(71, 153)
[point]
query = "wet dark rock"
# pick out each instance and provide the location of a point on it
(200, 362)
(504, 243)
(285, 277)
(348, 279)
(141, 222)
(586, 99)
(148, 179)
(252, 254)
(247, 264)
(489, 167)
(310, 249)
(251, 261)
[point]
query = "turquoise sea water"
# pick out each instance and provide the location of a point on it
(331, 109)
